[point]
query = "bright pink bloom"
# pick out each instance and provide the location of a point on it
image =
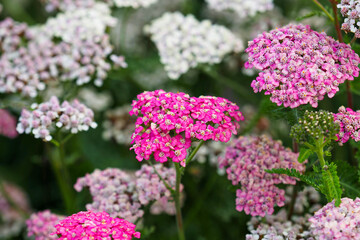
(97, 226)
(349, 122)
(245, 162)
(299, 65)
(168, 122)
(7, 124)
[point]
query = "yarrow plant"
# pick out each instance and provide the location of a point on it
(337, 222)
(41, 225)
(46, 117)
(125, 195)
(299, 65)
(7, 124)
(184, 42)
(243, 8)
(95, 226)
(168, 122)
(245, 162)
(350, 10)
(349, 122)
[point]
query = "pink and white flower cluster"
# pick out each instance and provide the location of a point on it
(41, 225)
(168, 122)
(350, 10)
(341, 222)
(299, 65)
(349, 122)
(184, 42)
(90, 225)
(243, 8)
(7, 124)
(245, 162)
(124, 195)
(11, 34)
(45, 117)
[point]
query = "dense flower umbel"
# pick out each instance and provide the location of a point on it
(341, 222)
(46, 116)
(315, 125)
(41, 225)
(11, 34)
(123, 194)
(184, 42)
(7, 124)
(90, 225)
(168, 122)
(243, 8)
(349, 122)
(279, 227)
(350, 9)
(300, 66)
(245, 162)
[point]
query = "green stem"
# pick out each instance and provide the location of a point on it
(162, 179)
(323, 9)
(192, 155)
(179, 221)
(124, 20)
(230, 83)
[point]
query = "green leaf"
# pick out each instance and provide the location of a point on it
(331, 183)
(304, 154)
(311, 14)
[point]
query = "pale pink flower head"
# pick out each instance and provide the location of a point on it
(349, 122)
(7, 124)
(299, 65)
(350, 10)
(168, 122)
(41, 225)
(90, 225)
(245, 162)
(341, 222)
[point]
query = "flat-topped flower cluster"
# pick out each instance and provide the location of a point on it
(168, 122)
(299, 65)
(184, 42)
(45, 117)
(41, 225)
(125, 195)
(349, 122)
(243, 8)
(350, 10)
(246, 160)
(95, 226)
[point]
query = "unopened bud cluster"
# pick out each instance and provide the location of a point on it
(184, 42)
(349, 122)
(315, 125)
(43, 120)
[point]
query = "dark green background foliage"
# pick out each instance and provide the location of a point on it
(209, 209)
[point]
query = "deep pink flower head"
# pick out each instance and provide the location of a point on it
(97, 226)
(299, 65)
(42, 224)
(7, 124)
(245, 162)
(349, 122)
(341, 222)
(168, 122)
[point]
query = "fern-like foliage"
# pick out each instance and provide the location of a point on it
(331, 183)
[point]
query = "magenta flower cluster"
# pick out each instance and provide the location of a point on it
(168, 122)
(124, 195)
(7, 124)
(245, 162)
(349, 122)
(47, 116)
(90, 225)
(299, 65)
(41, 225)
(341, 222)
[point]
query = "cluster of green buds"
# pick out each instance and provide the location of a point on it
(314, 126)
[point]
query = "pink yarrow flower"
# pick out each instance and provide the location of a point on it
(341, 222)
(7, 124)
(245, 162)
(349, 122)
(168, 122)
(97, 226)
(42, 224)
(299, 65)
